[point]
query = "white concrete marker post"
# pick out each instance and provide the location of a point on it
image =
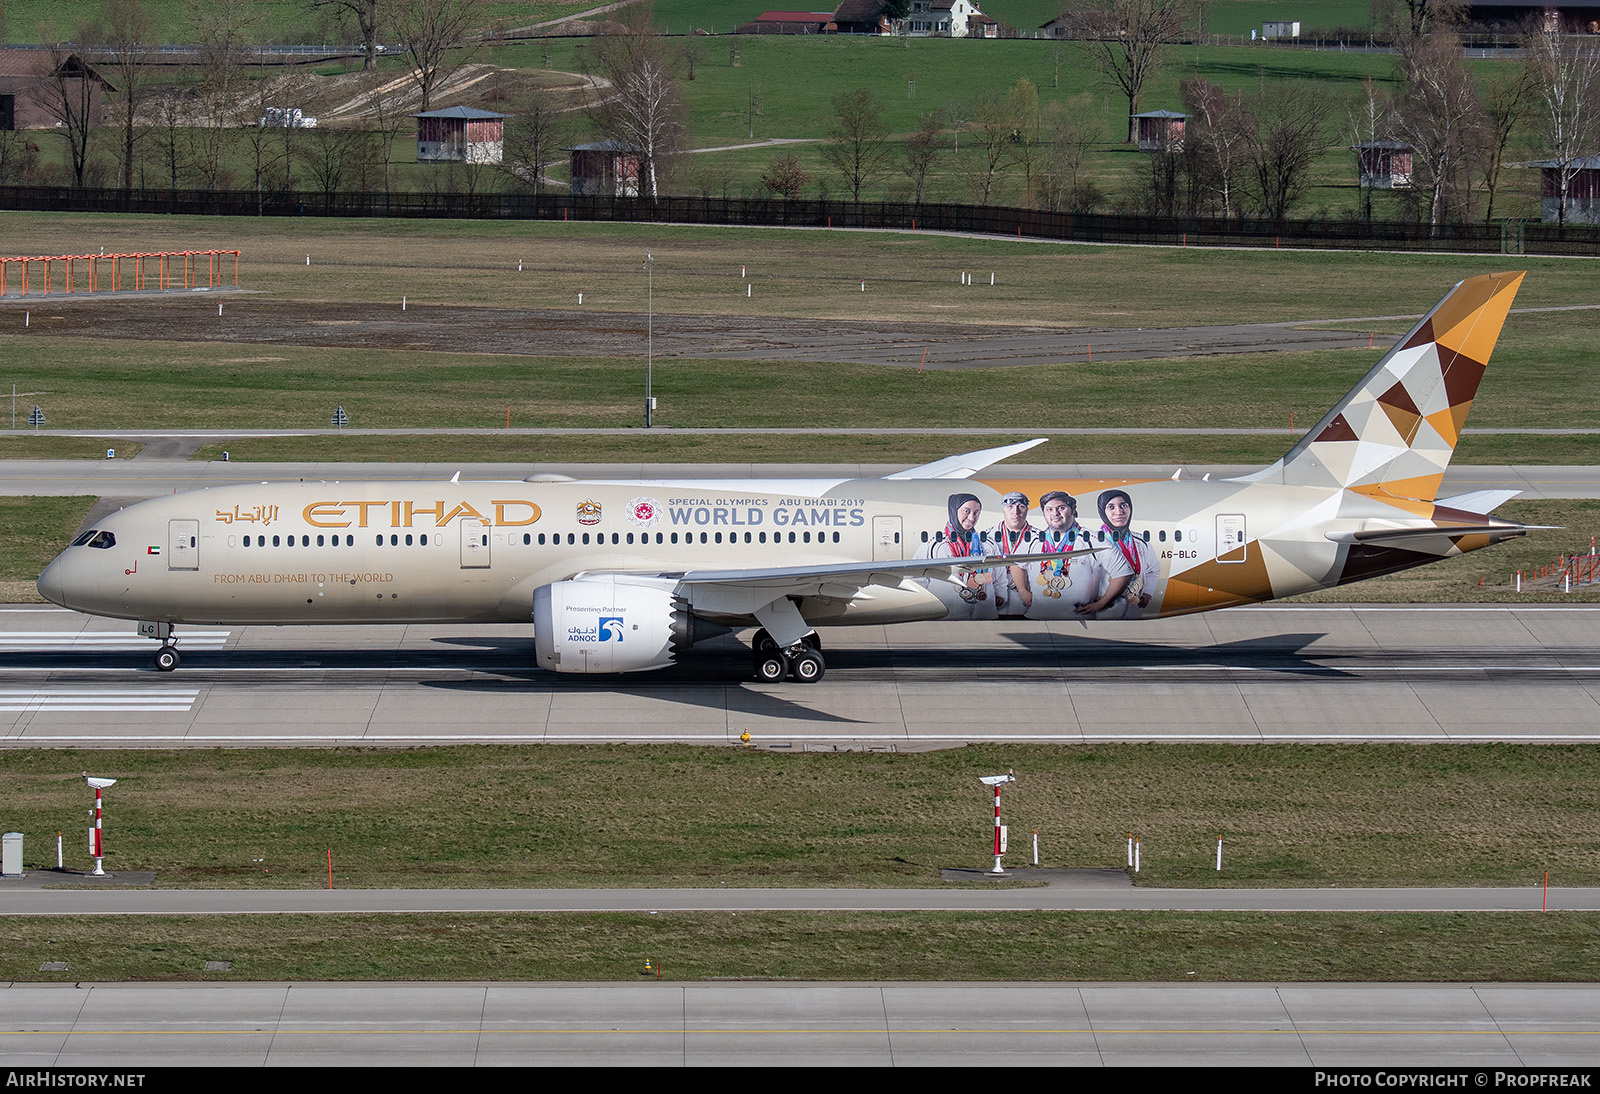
(1219, 854)
(96, 847)
(997, 781)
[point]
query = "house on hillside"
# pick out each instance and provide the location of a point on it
(605, 169)
(31, 80)
(789, 22)
(949, 19)
(460, 134)
(1572, 16)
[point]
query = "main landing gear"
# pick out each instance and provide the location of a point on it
(802, 662)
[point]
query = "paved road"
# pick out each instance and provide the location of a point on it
(16, 899)
(1273, 673)
(143, 478)
(1475, 1028)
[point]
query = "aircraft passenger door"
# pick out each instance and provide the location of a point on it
(887, 543)
(474, 544)
(183, 545)
(1231, 542)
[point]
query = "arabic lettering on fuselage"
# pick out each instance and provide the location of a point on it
(263, 514)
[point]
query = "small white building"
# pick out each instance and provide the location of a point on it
(1270, 31)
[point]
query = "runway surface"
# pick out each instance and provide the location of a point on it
(1274, 673)
(1473, 1027)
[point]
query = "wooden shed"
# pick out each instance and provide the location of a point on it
(460, 134)
(1384, 165)
(1161, 130)
(1583, 190)
(605, 169)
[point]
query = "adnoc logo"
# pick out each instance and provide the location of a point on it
(611, 628)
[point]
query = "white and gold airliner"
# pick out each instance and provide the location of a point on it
(624, 576)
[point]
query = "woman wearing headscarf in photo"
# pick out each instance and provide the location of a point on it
(1125, 596)
(969, 597)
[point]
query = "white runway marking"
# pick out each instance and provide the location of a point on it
(19, 641)
(80, 700)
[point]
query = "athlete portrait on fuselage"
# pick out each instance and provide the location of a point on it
(1132, 571)
(1060, 583)
(1013, 594)
(965, 596)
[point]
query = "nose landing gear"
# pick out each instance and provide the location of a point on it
(167, 658)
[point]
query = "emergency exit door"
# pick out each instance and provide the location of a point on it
(1231, 542)
(474, 544)
(183, 545)
(886, 539)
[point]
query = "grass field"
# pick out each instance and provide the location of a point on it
(1121, 946)
(804, 273)
(484, 816)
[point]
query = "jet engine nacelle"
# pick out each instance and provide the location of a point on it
(603, 624)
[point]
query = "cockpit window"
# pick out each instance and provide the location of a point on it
(102, 540)
(84, 538)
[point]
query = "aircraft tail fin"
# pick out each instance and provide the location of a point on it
(1394, 433)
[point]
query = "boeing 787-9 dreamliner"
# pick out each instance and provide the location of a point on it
(624, 576)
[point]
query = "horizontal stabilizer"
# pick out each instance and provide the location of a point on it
(966, 465)
(1479, 501)
(1442, 528)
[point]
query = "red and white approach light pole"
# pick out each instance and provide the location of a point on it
(96, 848)
(997, 781)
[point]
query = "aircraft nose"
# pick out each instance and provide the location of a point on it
(52, 585)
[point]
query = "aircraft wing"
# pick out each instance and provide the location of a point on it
(801, 579)
(966, 465)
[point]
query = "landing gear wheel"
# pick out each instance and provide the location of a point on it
(763, 643)
(808, 666)
(166, 659)
(771, 666)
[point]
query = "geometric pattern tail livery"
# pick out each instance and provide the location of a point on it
(1393, 435)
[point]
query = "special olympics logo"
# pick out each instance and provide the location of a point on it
(644, 512)
(611, 628)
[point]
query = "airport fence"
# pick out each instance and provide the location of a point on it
(1331, 233)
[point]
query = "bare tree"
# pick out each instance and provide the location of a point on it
(365, 13)
(1217, 136)
(1507, 95)
(172, 152)
(1284, 139)
(434, 35)
(991, 128)
(922, 149)
(642, 111)
(128, 34)
(785, 177)
(340, 159)
(1023, 104)
(1408, 22)
(265, 146)
(1064, 180)
(534, 136)
(1439, 116)
(1566, 77)
(68, 95)
(859, 149)
(1125, 38)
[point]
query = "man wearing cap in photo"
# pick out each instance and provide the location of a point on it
(1013, 594)
(1059, 584)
